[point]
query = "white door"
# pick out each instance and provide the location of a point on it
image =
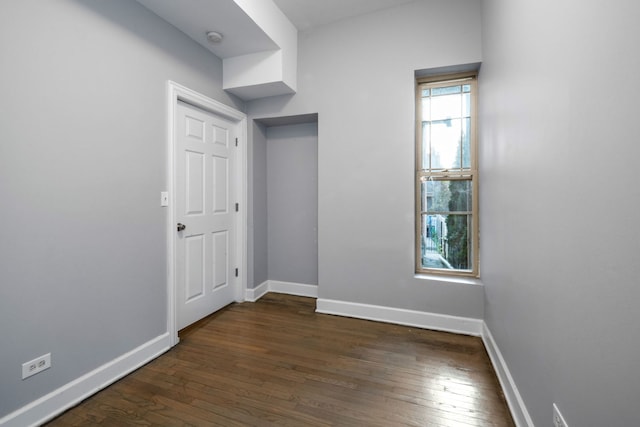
(205, 213)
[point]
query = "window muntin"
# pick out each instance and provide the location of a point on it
(446, 176)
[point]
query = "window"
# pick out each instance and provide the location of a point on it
(446, 176)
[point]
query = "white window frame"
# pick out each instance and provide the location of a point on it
(466, 174)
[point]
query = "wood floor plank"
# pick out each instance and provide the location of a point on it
(277, 362)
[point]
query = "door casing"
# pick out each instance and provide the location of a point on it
(175, 93)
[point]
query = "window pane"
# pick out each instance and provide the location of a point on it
(426, 133)
(466, 143)
(426, 109)
(445, 90)
(466, 105)
(433, 242)
(444, 196)
(445, 242)
(435, 196)
(460, 199)
(446, 107)
(466, 88)
(458, 249)
(445, 144)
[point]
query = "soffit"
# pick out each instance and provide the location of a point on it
(195, 18)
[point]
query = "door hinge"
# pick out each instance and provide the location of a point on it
(236, 142)
(237, 207)
(236, 272)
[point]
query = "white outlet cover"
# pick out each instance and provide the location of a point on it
(36, 365)
(558, 419)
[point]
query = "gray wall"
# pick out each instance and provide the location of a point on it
(559, 199)
(259, 198)
(358, 75)
(292, 179)
(82, 163)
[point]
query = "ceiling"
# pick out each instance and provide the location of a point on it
(241, 35)
(307, 14)
(247, 29)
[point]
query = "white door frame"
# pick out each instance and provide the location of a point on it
(177, 92)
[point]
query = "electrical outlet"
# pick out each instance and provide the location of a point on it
(558, 419)
(36, 365)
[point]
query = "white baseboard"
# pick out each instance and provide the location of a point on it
(516, 405)
(290, 288)
(69, 395)
(253, 295)
(298, 289)
(419, 319)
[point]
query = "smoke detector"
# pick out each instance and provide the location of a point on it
(214, 37)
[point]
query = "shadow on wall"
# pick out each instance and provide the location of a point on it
(177, 44)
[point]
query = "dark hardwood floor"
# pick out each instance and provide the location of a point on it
(277, 362)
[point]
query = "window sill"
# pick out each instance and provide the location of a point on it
(449, 279)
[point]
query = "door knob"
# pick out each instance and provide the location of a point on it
(181, 226)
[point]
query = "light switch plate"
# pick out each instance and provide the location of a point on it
(164, 198)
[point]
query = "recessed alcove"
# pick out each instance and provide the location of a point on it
(285, 199)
